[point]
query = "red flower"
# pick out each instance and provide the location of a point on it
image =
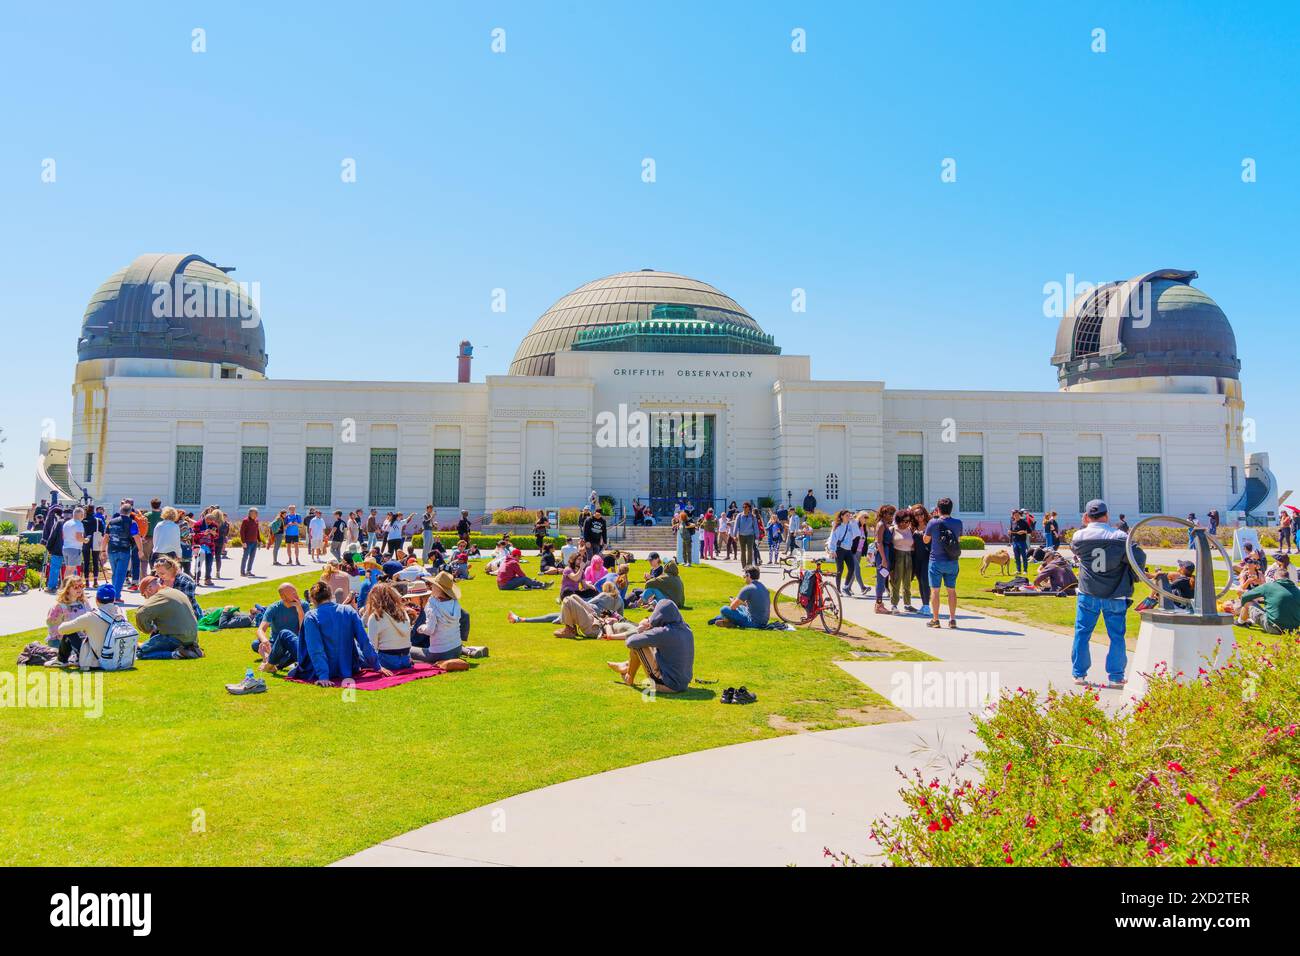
(1031, 821)
(1176, 766)
(1191, 800)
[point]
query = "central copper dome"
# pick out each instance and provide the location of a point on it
(619, 299)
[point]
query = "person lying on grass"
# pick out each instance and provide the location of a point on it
(334, 643)
(511, 577)
(281, 630)
(664, 645)
(751, 607)
(587, 622)
(388, 624)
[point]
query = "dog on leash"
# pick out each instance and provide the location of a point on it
(1000, 558)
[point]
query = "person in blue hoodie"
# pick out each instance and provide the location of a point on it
(334, 643)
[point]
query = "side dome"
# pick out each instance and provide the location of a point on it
(621, 300)
(173, 306)
(1156, 326)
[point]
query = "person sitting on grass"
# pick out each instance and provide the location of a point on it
(668, 585)
(664, 645)
(443, 624)
(69, 602)
(1055, 573)
(389, 626)
(340, 582)
(572, 580)
(751, 607)
(608, 601)
(168, 571)
(334, 643)
(546, 560)
(86, 631)
(1281, 568)
(511, 577)
(458, 563)
(500, 555)
(280, 633)
(168, 618)
(1280, 612)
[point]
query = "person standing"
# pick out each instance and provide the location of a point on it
(94, 541)
(746, 529)
(1286, 533)
(943, 536)
(1123, 524)
(809, 503)
(152, 517)
(883, 536)
(250, 536)
(118, 545)
(540, 527)
(900, 571)
(844, 538)
(725, 544)
(338, 534)
(792, 537)
(921, 555)
(1019, 532)
(1051, 530)
(74, 542)
(167, 536)
(277, 536)
(1105, 590)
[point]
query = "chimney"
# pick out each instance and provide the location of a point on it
(464, 355)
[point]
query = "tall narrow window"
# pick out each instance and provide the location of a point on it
(252, 475)
(970, 484)
(832, 487)
(539, 484)
(1031, 482)
(1089, 481)
(911, 487)
(90, 470)
(189, 475)
(319, 481)
(446, 477)
(1150, 499)
(383, 477)
(1232, 476)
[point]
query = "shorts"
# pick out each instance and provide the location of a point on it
(944, 574)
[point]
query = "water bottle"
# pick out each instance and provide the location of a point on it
(248, 675)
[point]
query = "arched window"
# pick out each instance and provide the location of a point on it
(832, 487)
(539, 484)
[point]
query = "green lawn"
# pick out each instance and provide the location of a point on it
(1050, 613)
(177, 771)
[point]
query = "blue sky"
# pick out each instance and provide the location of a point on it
(775, 170)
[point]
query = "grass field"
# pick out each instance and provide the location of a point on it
(177, 771)
(1050, 613)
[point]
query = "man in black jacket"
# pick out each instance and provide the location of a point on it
(809, 502)
(1105, 590)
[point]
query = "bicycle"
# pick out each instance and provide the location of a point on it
(823, 602)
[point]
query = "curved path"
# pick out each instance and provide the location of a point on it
(767, 803)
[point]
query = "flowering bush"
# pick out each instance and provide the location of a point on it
(1201, 773)
(522, 516)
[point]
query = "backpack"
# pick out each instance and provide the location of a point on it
(949, 543)
(807, 589)
(119, 536)
(118, 650)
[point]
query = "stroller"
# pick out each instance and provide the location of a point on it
(13, 575)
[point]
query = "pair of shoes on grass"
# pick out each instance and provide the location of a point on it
(738, 695)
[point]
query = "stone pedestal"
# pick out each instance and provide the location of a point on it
(1182, 642)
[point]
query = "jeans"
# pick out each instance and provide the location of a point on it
(246, 562)
(1049, 539)
(135, 565)
(284, 648)
(1020, 548)
(395, 661)
(56, 569)
(158, 648)
(748, 551)
(121, 561)
(843, 563)
(276, 542)
(515, 584)
(737, 616)
(1112, 611)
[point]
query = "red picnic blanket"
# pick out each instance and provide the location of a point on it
(373, 680)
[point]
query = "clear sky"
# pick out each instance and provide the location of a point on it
(775, 170)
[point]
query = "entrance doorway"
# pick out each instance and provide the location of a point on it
(681, 463)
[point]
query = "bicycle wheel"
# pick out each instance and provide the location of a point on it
(786, 606)
(832, 614)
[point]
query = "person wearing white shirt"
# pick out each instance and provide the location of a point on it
(842, 543)
(74, 539)
(167, 535)
(316, 536)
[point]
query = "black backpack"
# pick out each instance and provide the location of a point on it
(949, 542)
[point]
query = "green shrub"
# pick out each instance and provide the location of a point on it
(8, 527)
(33, 579)
(485, 542)
(1196, 773)
(606, 505)
(766, 501)
(971, 542)
(522, 516)
(32, 555)
(817, 519)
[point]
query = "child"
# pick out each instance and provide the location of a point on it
(773, 539)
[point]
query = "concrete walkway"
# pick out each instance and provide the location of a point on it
(771, 802)
(22, 612)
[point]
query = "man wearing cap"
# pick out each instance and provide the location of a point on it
(1105, 590)
(511, 577)
(1020, 531)
(90, 627)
